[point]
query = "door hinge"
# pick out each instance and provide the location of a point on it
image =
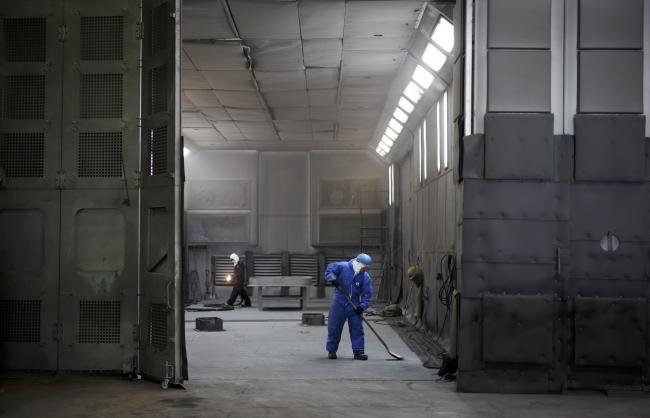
(139, 31)
(137, 179)
(136, 332)
(60, 179)
(57, 331)
(62, 33)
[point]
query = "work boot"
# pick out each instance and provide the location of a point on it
(331, 355)
(361, 356)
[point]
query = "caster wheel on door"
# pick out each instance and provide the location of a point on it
(165, 384)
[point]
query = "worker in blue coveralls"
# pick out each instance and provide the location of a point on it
(350, 277)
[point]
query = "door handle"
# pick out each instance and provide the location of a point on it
(169, 284)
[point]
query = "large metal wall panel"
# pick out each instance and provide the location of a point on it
(609, 81)
(517, 329)
(519, 24)
(610, 332)
(29, 279)
(607, 24)
(519, 81)
(519, 146)
(610, 147)
(514, 278)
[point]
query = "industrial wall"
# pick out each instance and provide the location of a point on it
(427, 224)
(275, 202)
(556, 199)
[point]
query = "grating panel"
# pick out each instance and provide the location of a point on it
(25, 39)
(102, 38)
(158, 325)
(99, 322)
(158, 89)
(268, 265)
(24, 97)
(101, 96)
(158, 28)
(22, 154)
(222, 267)
(157, 151)
(100, 154)
(20, 321)
(304, 265)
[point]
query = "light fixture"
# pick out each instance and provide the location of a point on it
(406, 105)
(433, 57)
(400, 115)
(391, 134)
(443, 35)
(386, 140)
(381, 152)
(384, 147)
(395, 125)
(422, 77)
(413, 92)
(186, 151)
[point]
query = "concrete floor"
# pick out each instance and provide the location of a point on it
(268, 365)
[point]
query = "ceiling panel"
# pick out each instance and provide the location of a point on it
(357, 29)
(291, 113)
(376, 43)
(381, 11)
(203, 136)
(375, 59)
(296, 136)
(220, 56)
(322, 97)
(266, 19)
(257, 130)
(293, 126)
(322, 18)
(322, 78)
(323, 126)
(276, 55)
(324, 136)
(205, 19)
(253, 115)
(215, 113)
(322, 52)
(203, 98)
(323, 112)
(229, 80)
(296, 98)
(281, 80)
(195, 120)
(243, 99)
(193, 80)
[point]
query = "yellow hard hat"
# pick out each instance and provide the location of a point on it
(412, 271)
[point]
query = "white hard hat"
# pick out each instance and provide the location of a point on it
(234, 257)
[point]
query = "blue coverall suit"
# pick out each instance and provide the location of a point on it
(359, 288)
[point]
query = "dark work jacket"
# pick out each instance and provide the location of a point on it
(239, 273)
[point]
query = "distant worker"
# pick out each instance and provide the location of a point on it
(238, 280)
(350, 277)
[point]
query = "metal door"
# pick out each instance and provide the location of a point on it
(161, 313)
(30, 82)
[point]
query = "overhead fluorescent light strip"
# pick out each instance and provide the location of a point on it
(386, 140)
(413, 92)
(406, 105)
(395, 125)
(391, 134)
(400, 115)
(422, 77)
(433, 57)
(384, 147)
(443, 35)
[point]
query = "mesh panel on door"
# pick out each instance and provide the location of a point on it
(25, 39)
(22, 154)
(101, 96)
(99, 322)
(157, 151)
(20, 321)
(304, 265)
(158, 28)
(100, 154)
(222, 266)
(102, 38)
(24, 97)
(158, 89)
(268, 265)
(158, 325)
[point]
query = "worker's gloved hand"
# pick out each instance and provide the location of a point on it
(335, 283)
(358, 310)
